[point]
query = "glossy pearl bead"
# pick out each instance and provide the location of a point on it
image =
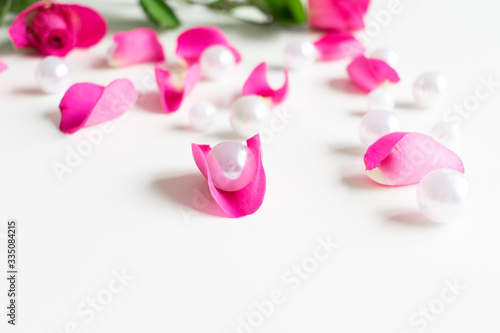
(387, 55)
(375, 124)
(216, 62)
(446, 133)
(429, 89)
(53, 75)
(249, 115)
(380, 99)
(202, 116)
(443, 195)
(300, 54)
(232, 165)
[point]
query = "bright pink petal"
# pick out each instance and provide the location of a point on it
(192, 43)
(3, 66)
(238, 203)
(18, 31)
(338, 45)
(369, 74)
(87, 104)
(174, 85)
(90, 27)
(402, 158)
(337, 15)
(257, 84)
(137, 46)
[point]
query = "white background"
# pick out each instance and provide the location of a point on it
(129, 205)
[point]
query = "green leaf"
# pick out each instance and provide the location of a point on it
(160, 13)
(20, 5)
(282, 11)
(4, 8)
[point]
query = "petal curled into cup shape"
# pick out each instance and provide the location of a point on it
(191, 43)
(337, 15)
(87, 104)
(257, 84)
(3, 66)
(175, 84)
(402, 158)
(137, 46)
(338, 45)
(369, 74)
(238, 203)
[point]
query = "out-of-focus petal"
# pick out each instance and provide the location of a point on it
(3, 66)
(90, 27)
(369, 74)
(135, 47)
(337, 15)
(176, 84)
(257, 84)
(338, 45)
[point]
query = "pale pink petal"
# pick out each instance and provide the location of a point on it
(338, 45)
(137, 46)
(369, 74)
(192, 43)
(238, 203)
(257, 84)
(175, 85)
(402, 158)
(3, 66)
(87, 104)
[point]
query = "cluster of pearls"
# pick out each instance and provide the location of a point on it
(53, 75)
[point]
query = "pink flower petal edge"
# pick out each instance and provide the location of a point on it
(191, 43)
(87, 104)
(337, 15)
(369, 74)
(137, 46)
(257, 84)
(238, 203)
(175, 85)
(403, 158)
(3, 66)
(338, 45)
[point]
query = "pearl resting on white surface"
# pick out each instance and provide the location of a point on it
(202, 116)
(443, 194)
(387, 55)
(429, 89)
(249, 115)
(300, 54)
(53, 75)
(216, 62)
(447, 133)
(375, 124)
(380, 99)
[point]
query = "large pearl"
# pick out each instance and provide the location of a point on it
(216, 62)
(249, 115)
(202, 116)
(429, 89)
(380, 99)
(53, 75)
(375, 124)
(387, 55)
(446, 133)
(443, 195)
(300, 54)
(232, 165)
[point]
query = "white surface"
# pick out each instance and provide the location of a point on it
(129, 204)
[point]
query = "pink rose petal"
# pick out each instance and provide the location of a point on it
(238, 203)
(257, 84)
(137, 46)
(337, 15)
(90, 27)
(192, 43)
(369, 74)
(402, 158)
(338, 45)
(176, 84)
(87, 104)
(3, 66)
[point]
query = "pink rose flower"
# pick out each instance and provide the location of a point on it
(337, 15)
(55, 29)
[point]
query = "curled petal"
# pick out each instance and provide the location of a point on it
(175, 84)
(90, 27)
(238, 203)
(135, 47)
(338, 45)
(192, 43)
(369, 74)
(402, 158)
(2, 66)
(337, 15)
(257, 84)
(87, 104)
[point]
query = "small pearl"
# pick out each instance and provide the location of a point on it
(443, 195)
(300, 54)
(387, 55)
(380, 99)
(232, 165)
(202, 116)
(53, 75)
(446, 133)
(249, 115)
(375, 124)
(429, 89)
(216, 62)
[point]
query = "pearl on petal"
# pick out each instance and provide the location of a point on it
(249, 114)
(443, 194)
(300, 54)
(429, 89)
(446, 133)
(380, 99)
(387, 55)
(202, 116)
(216, 62)
(375, 124)
(53, 75)
(232, 165)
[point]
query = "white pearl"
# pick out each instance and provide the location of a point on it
(380, 99)
(202, 116)
(232, 165)
(375, 124)
(387, 55)
(443, 195)
(249, 115)
(300, 54)
(446, 133)
(429, 89)
(53, 75)
(216, 62)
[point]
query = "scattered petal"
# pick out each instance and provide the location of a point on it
(3, 66)
(370, 74)
(257, 84)
(175, 84)
(338, 45)
(137, 46)
(337, 15)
